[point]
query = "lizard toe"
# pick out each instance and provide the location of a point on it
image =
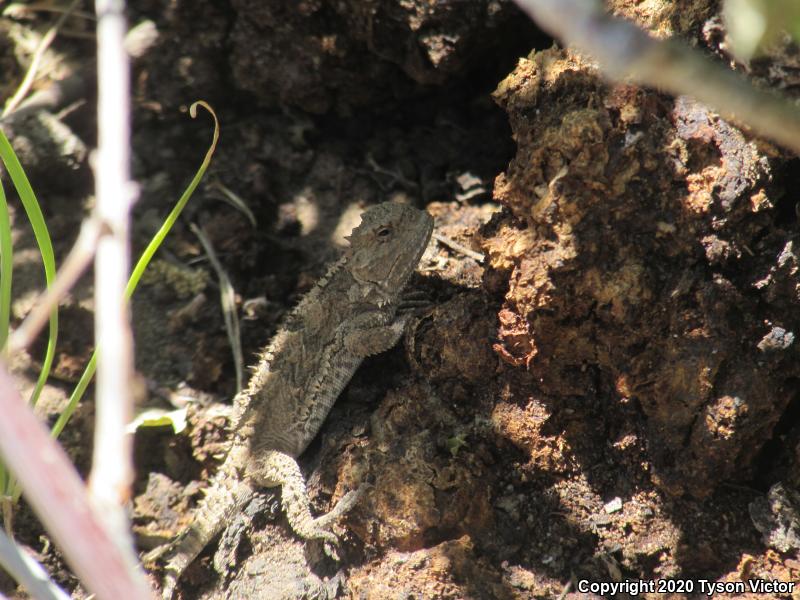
(330, 551)
(152, 557)
(168, 588)
(346, 502)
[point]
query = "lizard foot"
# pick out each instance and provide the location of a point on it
(319, 528)
(151, 560)
(342, 507)
(169, 585)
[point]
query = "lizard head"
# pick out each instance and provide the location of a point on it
(386, 247)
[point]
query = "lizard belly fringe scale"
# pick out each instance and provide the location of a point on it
(226, 497)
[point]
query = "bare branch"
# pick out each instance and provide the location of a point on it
(112, 466)
(623, 50)
(54, 490)
(27, 571)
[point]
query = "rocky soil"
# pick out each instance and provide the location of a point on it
(611, 394)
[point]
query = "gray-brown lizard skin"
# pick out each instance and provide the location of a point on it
(350, 314)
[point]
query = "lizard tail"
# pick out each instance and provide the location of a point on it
(226, 497)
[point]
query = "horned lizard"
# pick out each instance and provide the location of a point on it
(350, 314)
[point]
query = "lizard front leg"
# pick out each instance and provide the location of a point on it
(367, 340)
(279, 469)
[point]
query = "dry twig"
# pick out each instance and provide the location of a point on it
(57, 495)
(112, 466)
(460, 248)
(228, 301)
(79, 257)
(30, 75)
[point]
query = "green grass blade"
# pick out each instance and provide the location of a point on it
(5, 295)
(36, 218)
(42, 236)
(76, 395)
(6, 264)
(141, 265)
(154, 244)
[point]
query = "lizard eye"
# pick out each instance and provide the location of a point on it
(384, 233)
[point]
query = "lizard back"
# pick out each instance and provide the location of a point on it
(312, 357)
